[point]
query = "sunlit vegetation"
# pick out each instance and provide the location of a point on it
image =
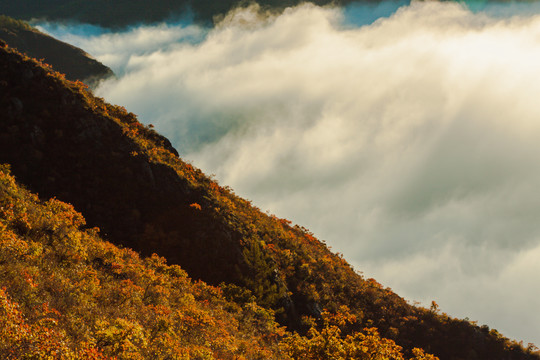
(8, 22)
(67, 294)
(129, 181)
(327, 342)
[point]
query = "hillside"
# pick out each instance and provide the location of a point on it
(128, 180)
(66, 294)
(63, 57)
(123, 12)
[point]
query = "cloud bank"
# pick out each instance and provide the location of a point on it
(410, 143)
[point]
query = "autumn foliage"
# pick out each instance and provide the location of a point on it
(67, 294)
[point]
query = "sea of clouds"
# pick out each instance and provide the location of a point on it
(405, 135)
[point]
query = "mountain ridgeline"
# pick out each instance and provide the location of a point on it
(62, 142)
(120, 13)
(69, 60)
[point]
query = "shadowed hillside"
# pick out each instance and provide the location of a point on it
(65, 58)
(63, 142)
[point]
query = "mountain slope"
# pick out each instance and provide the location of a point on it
(129, 181)
(65, 58)
(66, 294)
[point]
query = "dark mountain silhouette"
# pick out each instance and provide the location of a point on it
(63, 142)
(120, 13)
(65, 58)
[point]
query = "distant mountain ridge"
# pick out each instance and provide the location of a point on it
(121, 13)
(63, 142)
(65, 58)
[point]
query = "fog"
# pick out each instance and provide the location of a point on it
(406, 136)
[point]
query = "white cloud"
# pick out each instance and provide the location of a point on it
(410, 144)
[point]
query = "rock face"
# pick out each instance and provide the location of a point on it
(64, 58)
